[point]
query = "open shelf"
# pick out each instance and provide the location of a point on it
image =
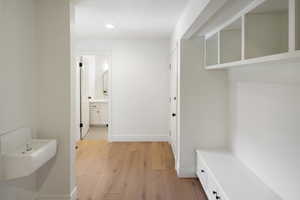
(266, 29)
(297, 23)
(231, 42)
(212, 53)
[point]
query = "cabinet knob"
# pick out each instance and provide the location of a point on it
(202, 171)
(214, 192)
(217, 197)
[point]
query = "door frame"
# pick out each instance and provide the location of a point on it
(110, 89)
(174, 57)
(80, 95)
(81, 66)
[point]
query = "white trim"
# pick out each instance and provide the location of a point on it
(54, 197)
(240, 14)
(138, 138)
(243, 37)
(72, 196)
(219, 47)
(292, 25)
(186, 172)
(173, 146)
(209, 8)
(74, 193)
(282, 58)
(109, 54)
(110, 95)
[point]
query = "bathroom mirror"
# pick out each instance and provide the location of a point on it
(98, 76)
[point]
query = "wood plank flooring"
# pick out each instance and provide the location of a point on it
(131, 171)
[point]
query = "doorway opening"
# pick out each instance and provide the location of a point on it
(94, 90)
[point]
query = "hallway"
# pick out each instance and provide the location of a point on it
(131, 171)
(97, 133)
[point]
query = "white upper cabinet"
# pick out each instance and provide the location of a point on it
(266, 31)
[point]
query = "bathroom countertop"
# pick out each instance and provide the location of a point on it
(99, 101)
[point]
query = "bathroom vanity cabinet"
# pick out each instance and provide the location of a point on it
(99, 112)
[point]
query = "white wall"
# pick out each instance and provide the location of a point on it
(265, 114)
(203, 106)
(56, 179)
(18, 82)
(140, 87)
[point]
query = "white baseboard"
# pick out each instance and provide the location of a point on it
(72, 196)
(186, 172)
(138, 138)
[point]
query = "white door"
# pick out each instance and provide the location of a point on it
(84, 97)
(173, 101)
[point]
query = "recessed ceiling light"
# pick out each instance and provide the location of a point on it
(109, 26)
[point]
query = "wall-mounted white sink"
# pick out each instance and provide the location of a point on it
(23, 162)
(25, 155)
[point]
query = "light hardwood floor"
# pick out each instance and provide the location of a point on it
(97, 133)
(131, 171)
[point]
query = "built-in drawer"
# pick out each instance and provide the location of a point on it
(213, 192)
(202, 172)
(95, 106)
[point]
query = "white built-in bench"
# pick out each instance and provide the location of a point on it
(224, 177)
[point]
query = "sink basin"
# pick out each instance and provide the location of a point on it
(21, 155)
(26, 159)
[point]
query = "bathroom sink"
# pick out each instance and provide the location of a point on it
(27, 158)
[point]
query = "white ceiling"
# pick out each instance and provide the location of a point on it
(132, 18)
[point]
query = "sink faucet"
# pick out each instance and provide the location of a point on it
(28, 147)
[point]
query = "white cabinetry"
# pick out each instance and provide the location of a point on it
(266, 31)
(99, 113)
(224, 177)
